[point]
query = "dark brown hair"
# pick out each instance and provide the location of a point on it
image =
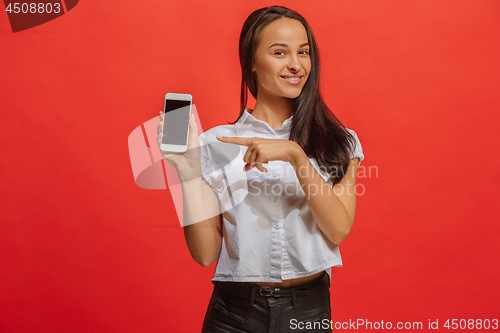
(314, 126)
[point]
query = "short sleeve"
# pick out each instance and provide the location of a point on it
(358, 149)
(208, 170)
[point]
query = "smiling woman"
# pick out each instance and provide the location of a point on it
(274, 249)
(281, 68)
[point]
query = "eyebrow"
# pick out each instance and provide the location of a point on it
(286, 45)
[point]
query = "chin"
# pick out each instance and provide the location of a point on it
(292, 94)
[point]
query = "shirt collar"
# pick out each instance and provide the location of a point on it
(247, 117)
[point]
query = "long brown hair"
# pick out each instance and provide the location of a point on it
(314, 126)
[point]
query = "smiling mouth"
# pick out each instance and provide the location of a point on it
(292, 79)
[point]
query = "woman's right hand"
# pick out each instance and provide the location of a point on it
(187, 164)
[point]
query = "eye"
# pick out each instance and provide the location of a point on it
(304, 52)
(280, 53)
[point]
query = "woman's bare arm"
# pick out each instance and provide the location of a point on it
(334, 208)
(202, 220)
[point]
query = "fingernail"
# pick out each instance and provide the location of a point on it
(219, 137)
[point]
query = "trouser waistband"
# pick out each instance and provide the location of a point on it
(248, 289)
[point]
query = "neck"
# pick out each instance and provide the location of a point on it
(273, 110)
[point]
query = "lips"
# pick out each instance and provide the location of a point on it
(292, 79)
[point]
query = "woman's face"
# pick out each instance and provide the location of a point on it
(282, 63)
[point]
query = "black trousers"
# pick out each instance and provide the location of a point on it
(237, 307)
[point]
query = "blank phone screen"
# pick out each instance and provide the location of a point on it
(176, 122)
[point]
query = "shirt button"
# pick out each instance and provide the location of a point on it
(275, 226)
(275, 199)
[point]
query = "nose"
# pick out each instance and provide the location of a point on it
(294, 64)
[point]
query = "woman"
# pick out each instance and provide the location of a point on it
(275, 248)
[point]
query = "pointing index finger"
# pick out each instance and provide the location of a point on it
(235, 140)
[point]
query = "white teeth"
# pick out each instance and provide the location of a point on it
(291, 78)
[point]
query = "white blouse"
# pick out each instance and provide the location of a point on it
(269, 233)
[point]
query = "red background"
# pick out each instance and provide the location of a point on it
(83, 249)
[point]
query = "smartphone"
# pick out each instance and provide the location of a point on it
(177, 109)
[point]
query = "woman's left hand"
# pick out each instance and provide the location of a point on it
(262, 150)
